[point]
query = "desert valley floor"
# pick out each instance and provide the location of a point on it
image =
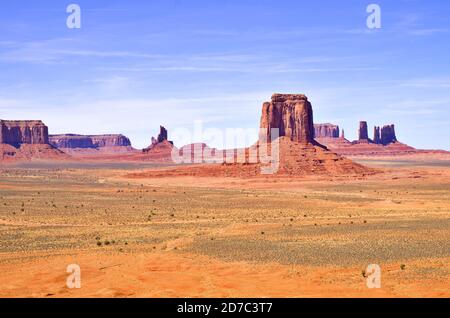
(188, 236)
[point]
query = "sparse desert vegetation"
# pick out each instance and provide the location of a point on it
(306, 236)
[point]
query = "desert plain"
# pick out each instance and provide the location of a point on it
(136, 231)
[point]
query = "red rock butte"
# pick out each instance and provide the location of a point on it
(292, 114)
(298, 153)
(17, 132)
(26, 140)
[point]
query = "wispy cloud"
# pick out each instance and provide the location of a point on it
(59, 49)
(425, 32)
(427, 83)
(111, 84)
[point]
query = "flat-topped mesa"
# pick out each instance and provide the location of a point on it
(89, 141)
(326, 131)
(111, 141)
(292, 114)
(161, 139)
(363, 133)
(387, 135)
(18, 132)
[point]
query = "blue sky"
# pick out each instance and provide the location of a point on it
(134, 65)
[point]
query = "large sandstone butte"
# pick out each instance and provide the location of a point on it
(18, 132)
(298, 153)
(89, 141)
(26, 140)
(292, 114)
(326, 131)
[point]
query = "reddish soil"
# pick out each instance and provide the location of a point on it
(9, 153)
(294, 159)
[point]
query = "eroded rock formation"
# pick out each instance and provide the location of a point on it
(18, 132)
(376, 135)
(292, 114)
(326, 131)
(387, 135)
(384, 142)
(89, 141)
(162, 134)
(363, 133)
(161, 139)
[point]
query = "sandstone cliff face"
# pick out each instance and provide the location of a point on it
(86, 141)
(292, 114)
(363, 133)
(387, 135)
(18, 132)
(326, 131)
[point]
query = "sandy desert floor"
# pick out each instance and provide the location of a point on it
(224, 237)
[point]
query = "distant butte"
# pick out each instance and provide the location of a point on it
(384, 142)
(326, 131)
(89, 141)
(84, 145)
(160, 148)
(26, 140)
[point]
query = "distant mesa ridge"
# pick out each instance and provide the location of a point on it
(326, 131)
(72, 141)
